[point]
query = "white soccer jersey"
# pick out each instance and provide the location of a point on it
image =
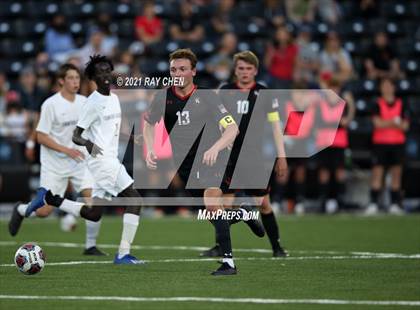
(58, 119)
(101, 120)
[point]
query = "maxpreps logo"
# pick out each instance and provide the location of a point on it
(234, 214)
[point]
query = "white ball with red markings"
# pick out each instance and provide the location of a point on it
(30, 259)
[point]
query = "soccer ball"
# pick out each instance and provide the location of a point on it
(30, 259)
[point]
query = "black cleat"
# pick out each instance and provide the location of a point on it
(94, 251)
(224, 270)
(15, 221)
(255, 225)
(215, 251)
(280, 252)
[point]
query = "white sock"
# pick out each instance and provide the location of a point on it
(228, 260)
(72, 207)
(130, 224)
(92, 231)
(22, 209)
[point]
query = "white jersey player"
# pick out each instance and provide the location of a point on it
(98, 130)
(62, 161)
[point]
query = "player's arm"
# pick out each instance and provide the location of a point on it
(92, 148)
(149, 138)
(227, 138)
(351, 110)
(281, 163)
(48, 142)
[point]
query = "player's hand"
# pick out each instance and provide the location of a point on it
(281, 167)
(151, 160)
(93, 149)
(75, 154)
(138, 139)
(210, 157)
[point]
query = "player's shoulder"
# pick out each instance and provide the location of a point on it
(259, 86)
(51, 100)
(80, 98)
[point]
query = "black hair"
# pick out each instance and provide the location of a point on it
(94, 60)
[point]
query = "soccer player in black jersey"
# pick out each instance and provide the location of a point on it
(189, 112)
(241, 107)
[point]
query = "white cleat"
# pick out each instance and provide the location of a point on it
(331, 206)
(372, 209)
(395, 209)
(299, 208)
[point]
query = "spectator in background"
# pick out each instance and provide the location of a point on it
(149, 27)
(334, 60)
(301, 11)
(367, 9)
(58, 39)
(390, 121)
(4, 88)
(110, 39)
(307, 64)
(220, 64)
(382, 60)
(186, 27)
(329, 11)
(280, 58)
(222, 20)
(30, 97)
(333, 141)
(94, 46)
(274, 14)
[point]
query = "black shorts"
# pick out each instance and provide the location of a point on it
(331, 158)
(388, 154)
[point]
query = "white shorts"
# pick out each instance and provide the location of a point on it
(110, 178)
(57, 183)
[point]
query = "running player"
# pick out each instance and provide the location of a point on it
(185, 109)
(245, 70)
(100, 123)
(61, 160)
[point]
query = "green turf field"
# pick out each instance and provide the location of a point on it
(342, 260)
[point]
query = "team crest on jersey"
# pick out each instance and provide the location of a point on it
(275, 103)
(197, 100)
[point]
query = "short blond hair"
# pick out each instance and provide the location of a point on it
(248, 57)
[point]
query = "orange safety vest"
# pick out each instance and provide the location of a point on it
(388, 112)
(299, 124)
(333, 137)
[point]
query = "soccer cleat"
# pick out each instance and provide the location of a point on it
(127, 260)
(372, 209)
(37, 202)
(280, 252)
(94, 251)
(15, 221)
(224, 270)
(395, 209)
(212, 252)
(255, 225)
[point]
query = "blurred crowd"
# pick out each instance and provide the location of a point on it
(301, 44)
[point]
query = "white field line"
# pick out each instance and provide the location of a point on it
(219, 300)
(282, 260)
(202, 248)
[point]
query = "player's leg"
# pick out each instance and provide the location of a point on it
(396, 173)
(299, 181)
(48, 179)
(271, 227)
(375, 189)
(131, 219)
(222, 230)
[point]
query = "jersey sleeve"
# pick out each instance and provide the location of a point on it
(219, 112)
(46, 118)
(270, 104)
(88, 116)
(156, 108)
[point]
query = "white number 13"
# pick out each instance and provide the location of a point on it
(183, 118)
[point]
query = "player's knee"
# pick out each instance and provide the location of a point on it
(133, 210)
(265, 209)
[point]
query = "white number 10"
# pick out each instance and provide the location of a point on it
(243, 106)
